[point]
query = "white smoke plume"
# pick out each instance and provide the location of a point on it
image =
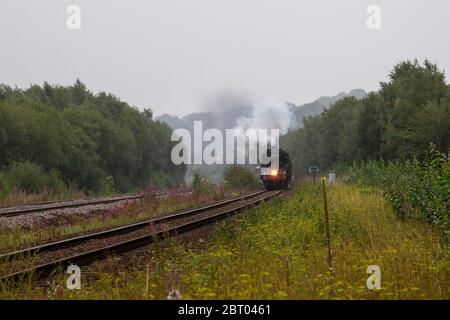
(269, 113)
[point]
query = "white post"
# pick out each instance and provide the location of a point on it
(331, 177)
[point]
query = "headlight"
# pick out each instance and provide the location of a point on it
(274, 172)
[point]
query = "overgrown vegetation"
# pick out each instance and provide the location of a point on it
(200, 185)
(30, 177)
(414, 189)
(55, 227)
(68, 135)
(26, 182)
(389, 131)
(399, 121)
(240, 177)
(277, 251)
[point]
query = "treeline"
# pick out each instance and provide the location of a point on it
(409, 112)
(93, 141)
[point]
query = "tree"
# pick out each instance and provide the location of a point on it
(410, 89)
(430, 126)
(370, 127)
(79, 92)
(93, 141)
(399, 121)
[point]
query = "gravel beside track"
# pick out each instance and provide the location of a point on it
(99, 244)
(27, 216)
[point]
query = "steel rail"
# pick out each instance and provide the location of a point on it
(122, 229)
(138, 241)
(31, 208)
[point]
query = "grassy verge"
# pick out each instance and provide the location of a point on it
(277, 251)
(129, 213)
(414, 189)
(16, 197)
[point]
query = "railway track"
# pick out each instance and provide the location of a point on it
(44, 258)
(32, 208)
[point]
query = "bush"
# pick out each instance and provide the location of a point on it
(107, 186)
(31, 178)
(200, 185)
(240, 177)
(414, 189)
(4, 185)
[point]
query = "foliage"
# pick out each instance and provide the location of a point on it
(240, 177)
(199, 184)
(14, 235)
(399, 121)
(415, 189)
(276, 251)
(107, 186)
(4, 185)
(31, 178)
(85, 137)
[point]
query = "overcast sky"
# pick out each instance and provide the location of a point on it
(176, 56)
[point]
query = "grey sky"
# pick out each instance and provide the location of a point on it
(177, 55)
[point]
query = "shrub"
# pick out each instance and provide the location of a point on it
(31, 178)
(4, 185)
(199, 184)
(415, 189)
(107, 186)
(240, 177)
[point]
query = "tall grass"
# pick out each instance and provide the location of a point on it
(61, 226)
(277, 251)
(415, 189)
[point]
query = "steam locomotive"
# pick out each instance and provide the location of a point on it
(277, 179)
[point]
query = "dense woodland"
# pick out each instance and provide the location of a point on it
(65, 136)
(54, 136)
(399, 121)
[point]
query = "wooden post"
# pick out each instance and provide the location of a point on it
(327, 226)
(147, 281)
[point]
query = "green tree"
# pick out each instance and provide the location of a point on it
(399, 121)
(370, 127)
(411, 87)
(93, 141)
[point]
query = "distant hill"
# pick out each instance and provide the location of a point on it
(228, 119)
(316, 107)
(220, 120)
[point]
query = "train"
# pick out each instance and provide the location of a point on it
(277, 179)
